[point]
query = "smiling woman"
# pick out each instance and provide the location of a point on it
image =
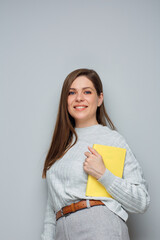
(81, 122)
(83, 102)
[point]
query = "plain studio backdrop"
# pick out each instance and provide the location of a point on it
(41, 42)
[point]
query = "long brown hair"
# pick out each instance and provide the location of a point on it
(65, 123)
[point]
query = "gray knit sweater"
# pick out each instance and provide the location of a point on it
(67, 180)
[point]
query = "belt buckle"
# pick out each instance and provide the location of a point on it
(62, 212)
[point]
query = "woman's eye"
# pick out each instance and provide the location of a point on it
(71, 93)
(88, 92)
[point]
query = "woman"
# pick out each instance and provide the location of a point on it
(82, 121)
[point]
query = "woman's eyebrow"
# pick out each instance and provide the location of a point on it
(82, 88)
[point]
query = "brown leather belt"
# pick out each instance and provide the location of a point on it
(77, 206)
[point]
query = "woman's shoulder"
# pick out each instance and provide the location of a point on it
(106, 132)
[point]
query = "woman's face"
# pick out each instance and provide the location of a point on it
(83, 102)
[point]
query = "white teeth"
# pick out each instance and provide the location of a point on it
(80, 107)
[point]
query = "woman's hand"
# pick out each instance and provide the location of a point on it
(93, 164)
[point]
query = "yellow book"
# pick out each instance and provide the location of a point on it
(113, 158)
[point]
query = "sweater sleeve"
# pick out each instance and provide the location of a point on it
(131, 191)
(49, 221)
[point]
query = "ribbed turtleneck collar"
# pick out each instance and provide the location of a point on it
(87, 130)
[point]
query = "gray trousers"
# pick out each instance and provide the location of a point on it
(94, 223)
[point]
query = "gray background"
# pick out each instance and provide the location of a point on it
(41, 42)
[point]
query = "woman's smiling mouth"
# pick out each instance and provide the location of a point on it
(80, 107)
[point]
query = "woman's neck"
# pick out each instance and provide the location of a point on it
(85, 124)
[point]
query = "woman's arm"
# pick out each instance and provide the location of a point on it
(49, 221)
(131, 190)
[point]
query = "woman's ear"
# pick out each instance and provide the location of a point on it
(100, 99)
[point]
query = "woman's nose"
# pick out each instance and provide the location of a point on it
(79, 97)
